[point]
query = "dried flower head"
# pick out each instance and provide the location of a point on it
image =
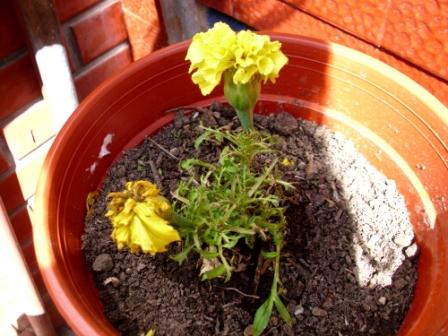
(139, 217)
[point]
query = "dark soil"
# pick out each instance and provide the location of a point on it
(349, 265)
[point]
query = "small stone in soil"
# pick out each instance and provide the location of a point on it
(318, 312)
(298, 311)
(112, 280)
(411, 250)
(103, 263)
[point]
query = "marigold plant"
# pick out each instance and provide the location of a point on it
(225, 204)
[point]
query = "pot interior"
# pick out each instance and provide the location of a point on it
(395, 123)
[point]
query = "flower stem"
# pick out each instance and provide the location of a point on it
(242, 97)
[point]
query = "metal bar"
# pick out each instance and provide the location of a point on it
(182, 18)
(25, 289)
(51, 59)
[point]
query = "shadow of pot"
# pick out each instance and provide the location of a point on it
(394, 122)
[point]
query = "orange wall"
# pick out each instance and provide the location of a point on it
(410, 35)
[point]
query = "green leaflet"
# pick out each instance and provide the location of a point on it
(262, 317)
(282, 310)
(208, 254)
(182, 255)
(214, 273)
(269, 254)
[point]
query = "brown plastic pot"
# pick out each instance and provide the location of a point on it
(397, 124)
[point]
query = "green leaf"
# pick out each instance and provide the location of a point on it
(269, 254)
(200, 139)
(262, 317)
(208, 254)
(214, 273)
(231, 243)
(282, 310)
(187, 164)
(262, 178)
(182, 255)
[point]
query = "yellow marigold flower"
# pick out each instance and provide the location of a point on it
(139, 218)
(245, 59)
(246, 54)
(210, 54)
(257, 56)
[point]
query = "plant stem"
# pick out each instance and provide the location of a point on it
(224, 262)
(262, 178)
(276, 280)
(242, 97)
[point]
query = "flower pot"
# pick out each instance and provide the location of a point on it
(394, 122)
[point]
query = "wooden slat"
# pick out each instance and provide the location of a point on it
(182, 19)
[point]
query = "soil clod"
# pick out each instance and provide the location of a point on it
(103, 263)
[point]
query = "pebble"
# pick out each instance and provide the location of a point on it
(140, 267)
(103, 263)
(113, 281)
(318, 312)
(411, 251)
(299, 310)
(382, 300)
(403, 239)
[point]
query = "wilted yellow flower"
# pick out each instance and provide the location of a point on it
(139, 218)
(247, 55)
